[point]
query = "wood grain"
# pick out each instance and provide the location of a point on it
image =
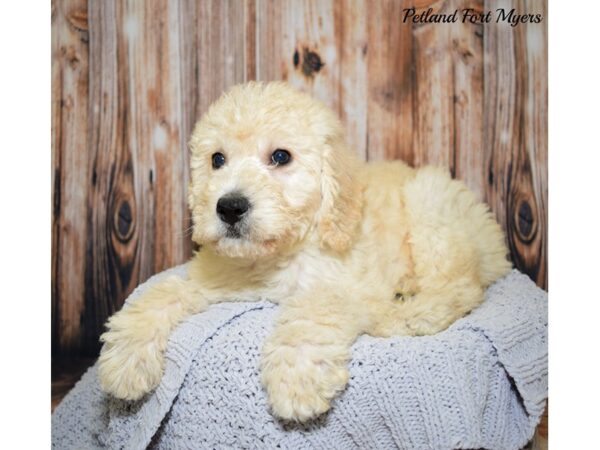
(515, 136)
(468, 101)
(225, 31)
(70, 177)
(392, 83)
(110, 264)
(130, 78)
(449, 103)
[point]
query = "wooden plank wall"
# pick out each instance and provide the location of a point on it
(130, 78)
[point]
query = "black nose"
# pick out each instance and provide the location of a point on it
(232, 207)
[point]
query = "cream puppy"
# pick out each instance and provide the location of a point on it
(284, 211)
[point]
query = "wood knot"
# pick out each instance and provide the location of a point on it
(123, 221)
(525, 222)
(311, 63)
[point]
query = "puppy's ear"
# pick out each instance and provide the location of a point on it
(341, 191)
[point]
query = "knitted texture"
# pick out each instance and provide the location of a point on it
(482, 383)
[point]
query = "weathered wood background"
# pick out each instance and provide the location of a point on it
(130, 78)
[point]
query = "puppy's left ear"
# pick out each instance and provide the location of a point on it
(342, 196)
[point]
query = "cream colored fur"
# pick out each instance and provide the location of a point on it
(344, 247)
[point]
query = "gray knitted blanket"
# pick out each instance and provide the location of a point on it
(480, 384)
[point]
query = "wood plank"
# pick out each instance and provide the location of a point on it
(319, 47)
(536, 132)
(449, 95)
(218, 46)
(392, 83)
(151, 43)
(188, 47)
(110, 272)
(468, 100)
(434, 105)
(225, 56)
(351, 43)
(250, 40)
(70, 176)
(189, 99)
(515, 143)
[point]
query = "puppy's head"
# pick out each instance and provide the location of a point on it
(270, 170)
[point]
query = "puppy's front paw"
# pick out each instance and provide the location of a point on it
(128, 367)
(301, 380)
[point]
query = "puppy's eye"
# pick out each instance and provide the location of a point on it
(281, 157)
(218, 160)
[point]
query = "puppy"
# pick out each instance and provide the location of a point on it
(284, 211)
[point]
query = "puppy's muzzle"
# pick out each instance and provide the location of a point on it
(232, 207)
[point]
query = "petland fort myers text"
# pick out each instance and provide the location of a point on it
(470, 15)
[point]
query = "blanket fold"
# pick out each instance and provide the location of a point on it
(480, 384)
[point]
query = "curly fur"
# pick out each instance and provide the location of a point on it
(344, 247)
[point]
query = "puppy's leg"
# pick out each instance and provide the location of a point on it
(131, 360)
(429, 311)
(447, 286)
(449, 238)
(304, 360)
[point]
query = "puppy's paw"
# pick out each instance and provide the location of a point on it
(301, 380)
(129, 368)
